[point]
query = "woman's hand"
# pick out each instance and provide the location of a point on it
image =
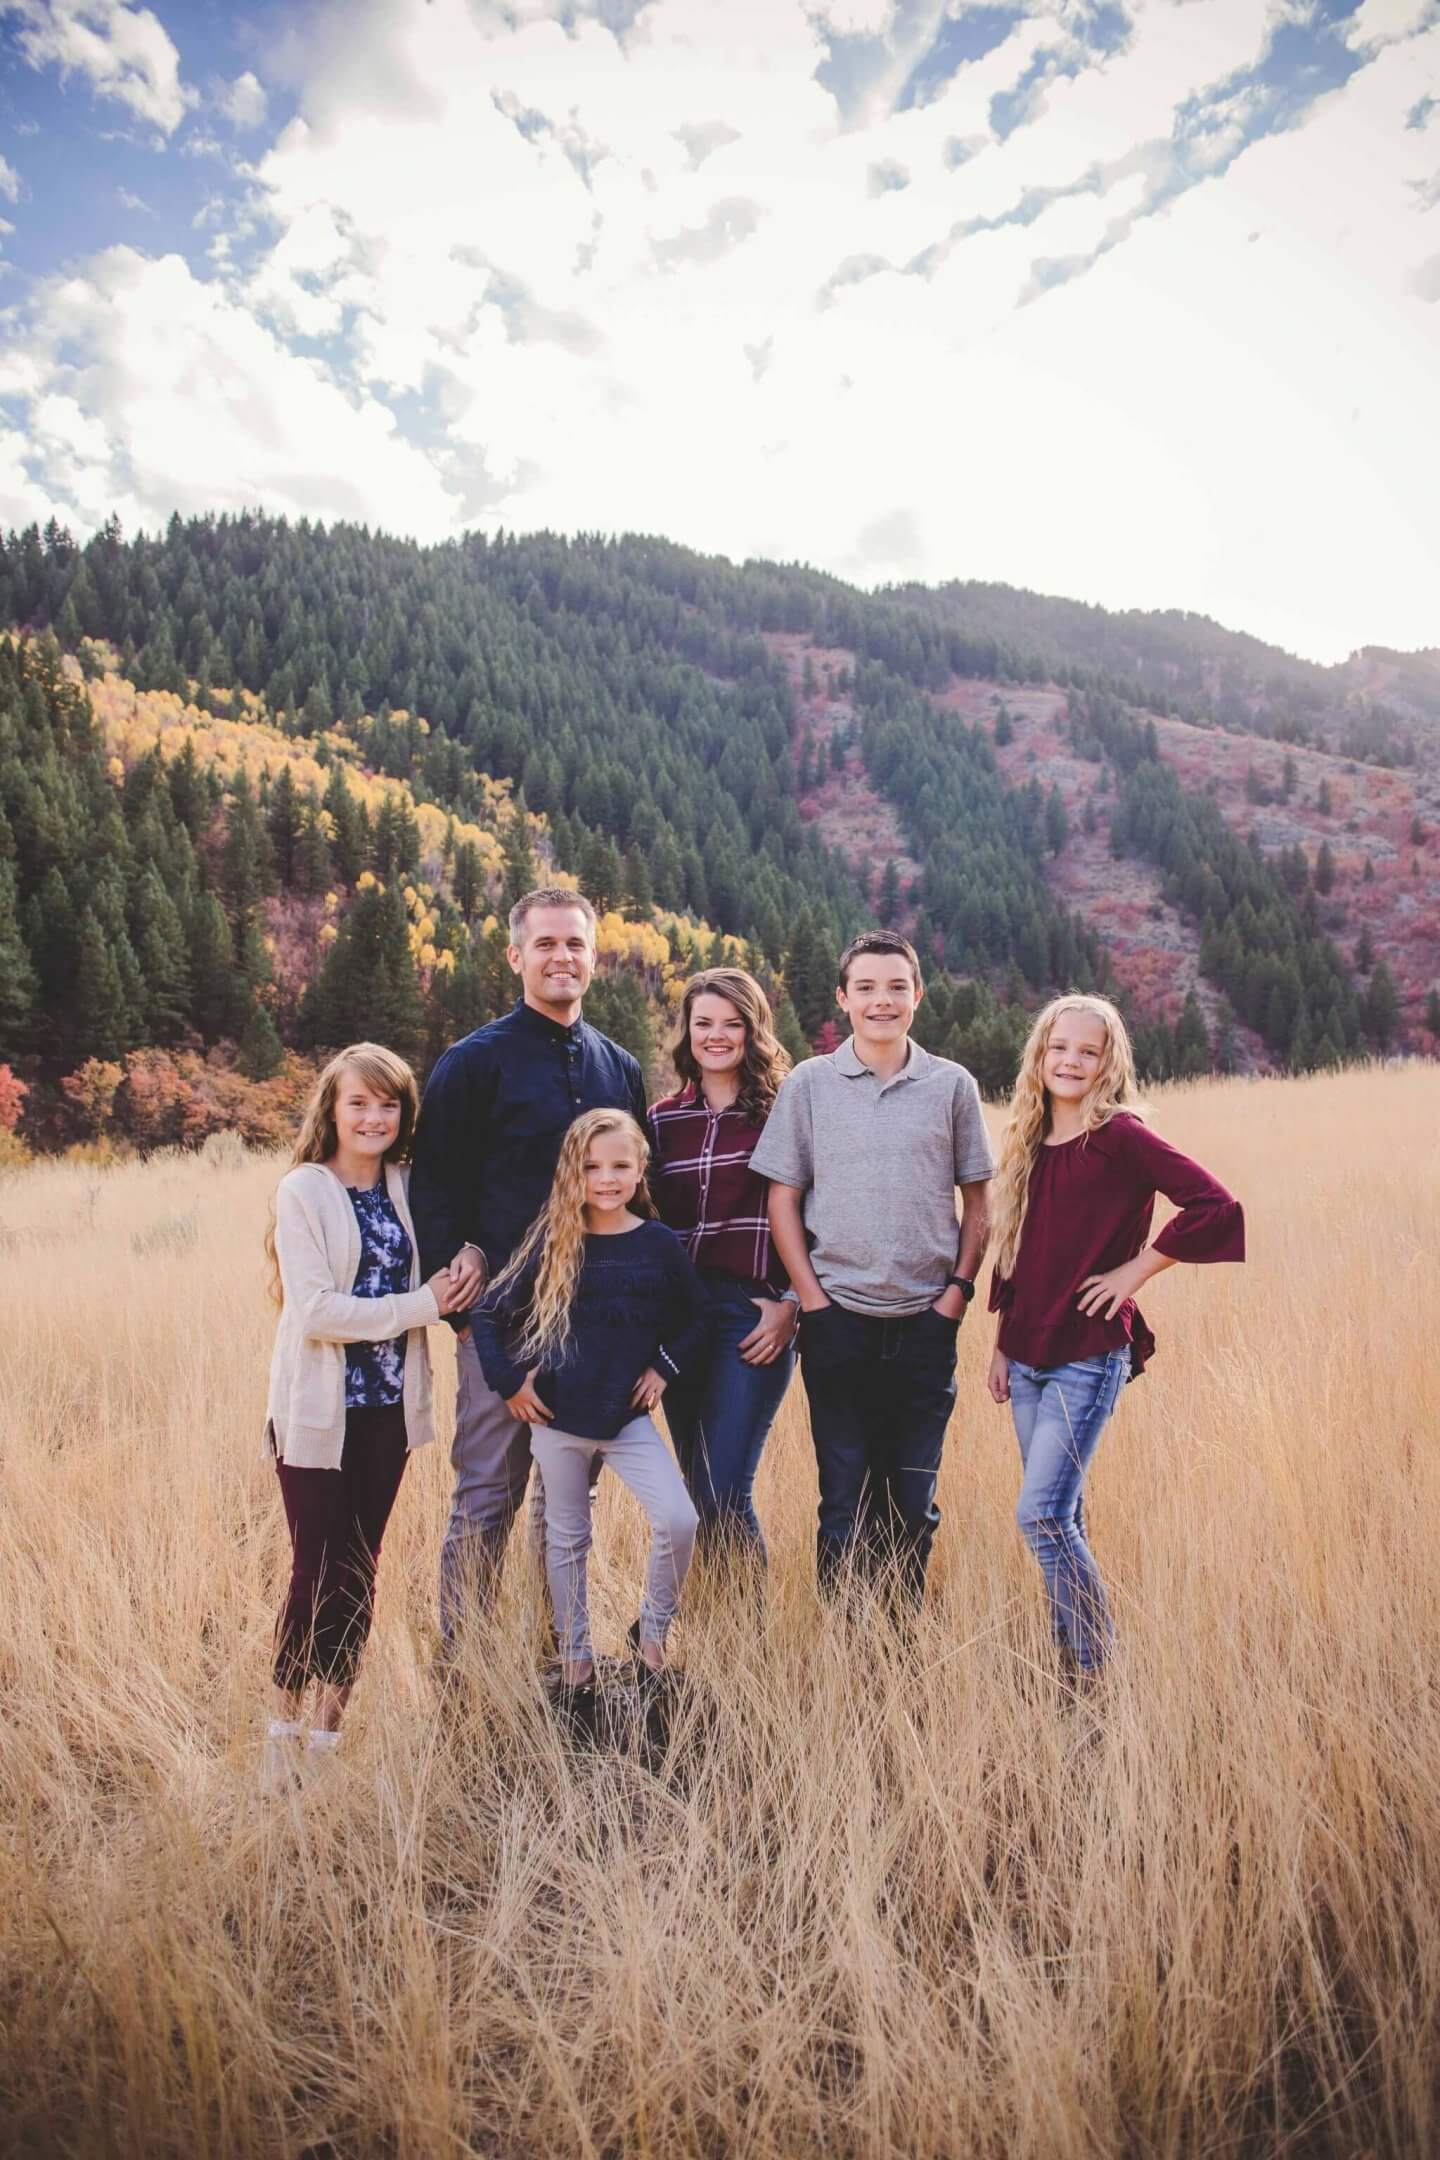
(773, 1332)
(1101, 1296)
(997, 1380)
(526, 1405)
(648, 1389)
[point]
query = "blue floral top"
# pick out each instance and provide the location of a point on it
(375, 1371)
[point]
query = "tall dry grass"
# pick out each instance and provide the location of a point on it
(881, 1896)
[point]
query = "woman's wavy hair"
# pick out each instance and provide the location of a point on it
(1029, 1121)
(385, 1075)
(764, 1064)
(556, 1238)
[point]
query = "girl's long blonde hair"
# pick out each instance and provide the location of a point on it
(385, 1075)
(556, 1238)
(1113, 1089)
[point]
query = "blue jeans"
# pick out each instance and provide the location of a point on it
(720, 1416)
(1060, 1412)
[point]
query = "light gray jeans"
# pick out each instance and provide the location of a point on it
(641, 1460)
(490, 1456)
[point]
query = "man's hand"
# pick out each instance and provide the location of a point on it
(950, 1304)
(648, 1389)
(772, 1333)
(997, 1380)
(526, 1405)
(467, 1277)
(1101, 1296)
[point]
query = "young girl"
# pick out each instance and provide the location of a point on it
(597, 1312)
(349, 1375)
(1075, 1191)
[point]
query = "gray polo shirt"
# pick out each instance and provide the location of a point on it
(878, 1161)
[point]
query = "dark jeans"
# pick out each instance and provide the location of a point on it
(720, 1416)
(337, 1519)
(881, 1392)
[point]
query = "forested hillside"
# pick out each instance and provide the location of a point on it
(1379, 705)
(307, 768)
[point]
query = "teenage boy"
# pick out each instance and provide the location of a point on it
(496, 1109)
(864, 1150)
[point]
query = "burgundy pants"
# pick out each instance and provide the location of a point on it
(337, 1519)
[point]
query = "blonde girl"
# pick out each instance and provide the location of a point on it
(599, 1310)
(1073, 1200)
(349, 1375)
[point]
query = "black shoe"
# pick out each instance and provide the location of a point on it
(577, 1709)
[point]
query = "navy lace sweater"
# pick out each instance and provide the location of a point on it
(638, 1302)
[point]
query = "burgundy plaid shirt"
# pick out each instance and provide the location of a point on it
(707, 1193)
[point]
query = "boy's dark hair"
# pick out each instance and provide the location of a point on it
(548, 896)
(878, 941)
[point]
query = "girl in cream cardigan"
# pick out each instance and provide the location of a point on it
(349, 1376)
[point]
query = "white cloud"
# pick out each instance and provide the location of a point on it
(584, 243)
(244, 103)
(124, 52)
(9, 181)
(149, 390)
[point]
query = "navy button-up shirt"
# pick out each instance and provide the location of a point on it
(496, 1109)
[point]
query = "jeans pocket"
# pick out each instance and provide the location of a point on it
(821, 1333)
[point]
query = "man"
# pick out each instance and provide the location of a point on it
(864, 1149)
(496, 1109)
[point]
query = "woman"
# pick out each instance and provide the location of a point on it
(702, 1138)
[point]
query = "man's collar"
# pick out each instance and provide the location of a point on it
(848, 1060)
(546, 1028)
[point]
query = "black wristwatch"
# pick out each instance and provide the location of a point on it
(963, 1284)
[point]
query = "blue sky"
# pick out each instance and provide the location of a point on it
(1133, 300)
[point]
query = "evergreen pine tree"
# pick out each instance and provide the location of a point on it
(285, 818)
(1382, 1005)
(520, 873)
(349, 834)
(99, 1020)
(164, 959)
(19, 983)
(789, 1033)
(639, 895)
(261, 1054)
(1192, 1040)
(313, 867)
(467, 880)
(217, 994)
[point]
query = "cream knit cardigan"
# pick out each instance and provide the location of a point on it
(317, 1243)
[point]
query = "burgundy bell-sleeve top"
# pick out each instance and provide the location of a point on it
(1091, 1203)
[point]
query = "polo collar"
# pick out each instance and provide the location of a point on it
(848, 1060)
(547, 1030)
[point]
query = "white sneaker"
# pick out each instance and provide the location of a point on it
(320, 1751)
(280, 1757)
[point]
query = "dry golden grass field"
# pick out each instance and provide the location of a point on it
(880, 1897)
